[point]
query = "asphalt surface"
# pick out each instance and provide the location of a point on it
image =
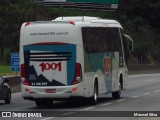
(143, 94)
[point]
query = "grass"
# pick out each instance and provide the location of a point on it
(6, 70)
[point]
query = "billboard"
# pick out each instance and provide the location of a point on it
(83, 4)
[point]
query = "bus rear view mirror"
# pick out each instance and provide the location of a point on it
(128, 42)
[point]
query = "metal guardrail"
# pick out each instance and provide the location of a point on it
(143, 69)
(79, 5)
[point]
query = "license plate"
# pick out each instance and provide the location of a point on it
(50, 90)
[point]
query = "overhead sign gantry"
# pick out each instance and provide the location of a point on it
(83, 4)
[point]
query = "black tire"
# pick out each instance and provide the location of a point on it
(49, 103)
(44, 103)
(94, 98)
(117, 94)
(39, 103)
(8, 99)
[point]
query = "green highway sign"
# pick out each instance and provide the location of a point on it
(83, 4)
(96, 1)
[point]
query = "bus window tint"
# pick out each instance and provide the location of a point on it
(99, 39)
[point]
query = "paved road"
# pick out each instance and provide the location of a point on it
(143, 94)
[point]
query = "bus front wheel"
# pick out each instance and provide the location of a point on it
(94, 98)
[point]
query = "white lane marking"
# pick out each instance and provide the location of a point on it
(134, 97)
(145, 94)
(49, 118)
(106, 104)
(88, 108)
(120, 100)
(150, 80)
(16, 93)
(156, 91)
(142, 75)
(69, 113)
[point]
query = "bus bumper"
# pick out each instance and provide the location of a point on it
(65, 92)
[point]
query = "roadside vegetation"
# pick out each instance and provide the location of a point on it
(6, 70)
(140, 20)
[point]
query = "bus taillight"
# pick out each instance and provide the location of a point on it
(73, 23)
(78, 74)
(23, 76)
(27, 23)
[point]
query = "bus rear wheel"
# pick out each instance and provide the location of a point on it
(39, 103)
(117, 94)
(44, 103)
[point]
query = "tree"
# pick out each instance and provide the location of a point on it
(141, 19)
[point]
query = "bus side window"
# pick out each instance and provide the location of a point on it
(101, 39)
